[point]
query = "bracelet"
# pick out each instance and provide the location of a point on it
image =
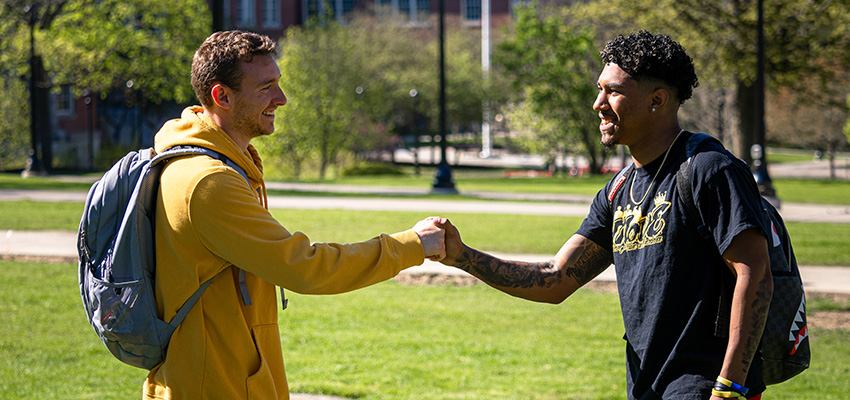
(727, 394)
(727, 389)
(731, 385)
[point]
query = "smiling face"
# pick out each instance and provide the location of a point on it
(624, 106)
(258, 97)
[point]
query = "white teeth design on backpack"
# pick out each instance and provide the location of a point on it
(776, 241)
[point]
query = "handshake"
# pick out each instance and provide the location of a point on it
(440, 239)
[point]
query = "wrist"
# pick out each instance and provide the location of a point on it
(726, 389)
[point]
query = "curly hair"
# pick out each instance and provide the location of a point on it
(218, 60)
(644, 56)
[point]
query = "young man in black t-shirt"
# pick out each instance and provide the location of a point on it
(669, 282)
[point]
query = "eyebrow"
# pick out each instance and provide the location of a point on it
(610, 85)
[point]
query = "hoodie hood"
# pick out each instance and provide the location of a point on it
(193, 128)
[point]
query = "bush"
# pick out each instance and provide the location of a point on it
(364, 169)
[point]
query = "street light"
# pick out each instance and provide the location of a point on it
(34, 166)
(443, 180)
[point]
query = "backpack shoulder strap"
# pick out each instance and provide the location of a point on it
(684, 180)
(685, 187)
(184, 150)
(618, 181)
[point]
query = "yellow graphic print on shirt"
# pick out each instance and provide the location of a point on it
(633, 231)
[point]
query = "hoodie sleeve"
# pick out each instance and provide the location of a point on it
(228, 219)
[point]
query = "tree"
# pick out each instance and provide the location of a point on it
(804, 38)
(142, 46)
(553, 71)
(349, 88)
(320, 74)
(14, 131)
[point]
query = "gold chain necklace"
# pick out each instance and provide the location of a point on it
(631, 196)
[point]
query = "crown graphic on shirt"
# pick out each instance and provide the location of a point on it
(660, 198)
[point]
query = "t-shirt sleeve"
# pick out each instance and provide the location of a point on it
(726, 197)
(597, 225)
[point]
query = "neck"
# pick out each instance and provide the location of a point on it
(224, 123)
(654, 146)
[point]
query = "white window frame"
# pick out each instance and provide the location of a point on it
(271, 14)
(247, 17)
(63, 102)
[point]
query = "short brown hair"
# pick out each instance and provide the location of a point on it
(218, 59)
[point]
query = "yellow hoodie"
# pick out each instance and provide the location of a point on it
(209, 220)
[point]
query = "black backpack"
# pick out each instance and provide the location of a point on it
(784, 347)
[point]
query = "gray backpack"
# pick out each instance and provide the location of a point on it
(117, 267)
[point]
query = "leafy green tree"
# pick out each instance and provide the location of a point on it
(803, 38)
(349, 89)
(143, 47)
(553, 70)
(14, 131)
(320, 76)
(102, 44)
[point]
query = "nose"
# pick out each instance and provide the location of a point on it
(279, 98)
(600, 103)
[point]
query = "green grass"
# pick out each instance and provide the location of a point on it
(778, 157)
(384, 342)
(36, 215)
(813, 191)
(14, 181)
(814, 243)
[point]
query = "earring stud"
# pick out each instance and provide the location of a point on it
(653, 109)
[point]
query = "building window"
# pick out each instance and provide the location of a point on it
(64, 101)
(472, 10)
(245, 10)
(271, 13)
(415, 10)
(338, 10)
(226, 13)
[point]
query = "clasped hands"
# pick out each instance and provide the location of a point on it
(440, 239)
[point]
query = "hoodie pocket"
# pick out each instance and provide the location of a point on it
(262, 385)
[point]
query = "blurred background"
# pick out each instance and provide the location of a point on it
(377, 84)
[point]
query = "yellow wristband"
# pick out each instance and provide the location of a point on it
(727, 394)
(731, 385)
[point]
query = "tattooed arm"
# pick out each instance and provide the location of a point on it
(578, 261)
(747, 258)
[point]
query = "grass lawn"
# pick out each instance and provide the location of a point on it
(388, 341)
(814, 243)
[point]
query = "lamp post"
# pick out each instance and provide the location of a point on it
(443, 180)
(34, 165)
(415, 131)
(765, 184)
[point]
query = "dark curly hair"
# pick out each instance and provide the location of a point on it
(644, 56)
(218, 60)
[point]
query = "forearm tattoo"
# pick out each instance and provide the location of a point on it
(507, 273)
(752, 336)
(587, 260)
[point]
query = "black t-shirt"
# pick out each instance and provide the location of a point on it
(668, 278)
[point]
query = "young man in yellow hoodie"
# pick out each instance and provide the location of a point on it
(211, 223)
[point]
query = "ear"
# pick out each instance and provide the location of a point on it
(660, 98)
(221, 96)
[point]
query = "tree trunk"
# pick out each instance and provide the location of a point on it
(745, 137)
